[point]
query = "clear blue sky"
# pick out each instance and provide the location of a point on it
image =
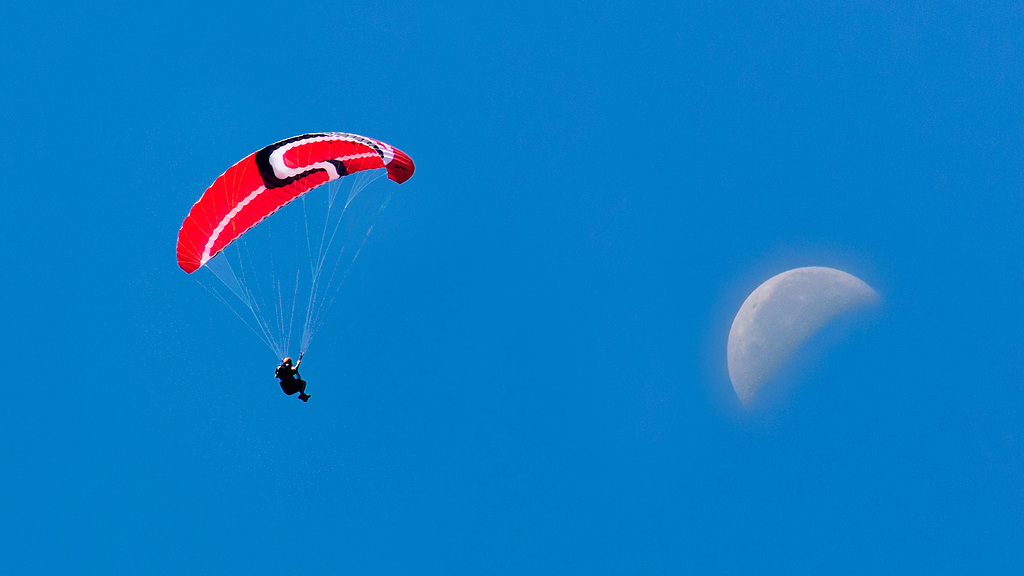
(525, 373)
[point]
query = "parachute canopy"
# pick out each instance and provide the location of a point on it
(263, 182)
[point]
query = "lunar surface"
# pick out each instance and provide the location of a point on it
(781, 315)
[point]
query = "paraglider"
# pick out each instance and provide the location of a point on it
(291, 382)
(282, 282)
(263, 182)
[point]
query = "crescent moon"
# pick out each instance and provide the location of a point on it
(781, 315)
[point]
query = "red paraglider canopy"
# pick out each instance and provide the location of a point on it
(263, 182)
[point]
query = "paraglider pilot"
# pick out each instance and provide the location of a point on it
(290, 380)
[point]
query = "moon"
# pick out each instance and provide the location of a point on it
(781, 315)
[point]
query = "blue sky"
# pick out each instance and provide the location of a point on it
(525, 372)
